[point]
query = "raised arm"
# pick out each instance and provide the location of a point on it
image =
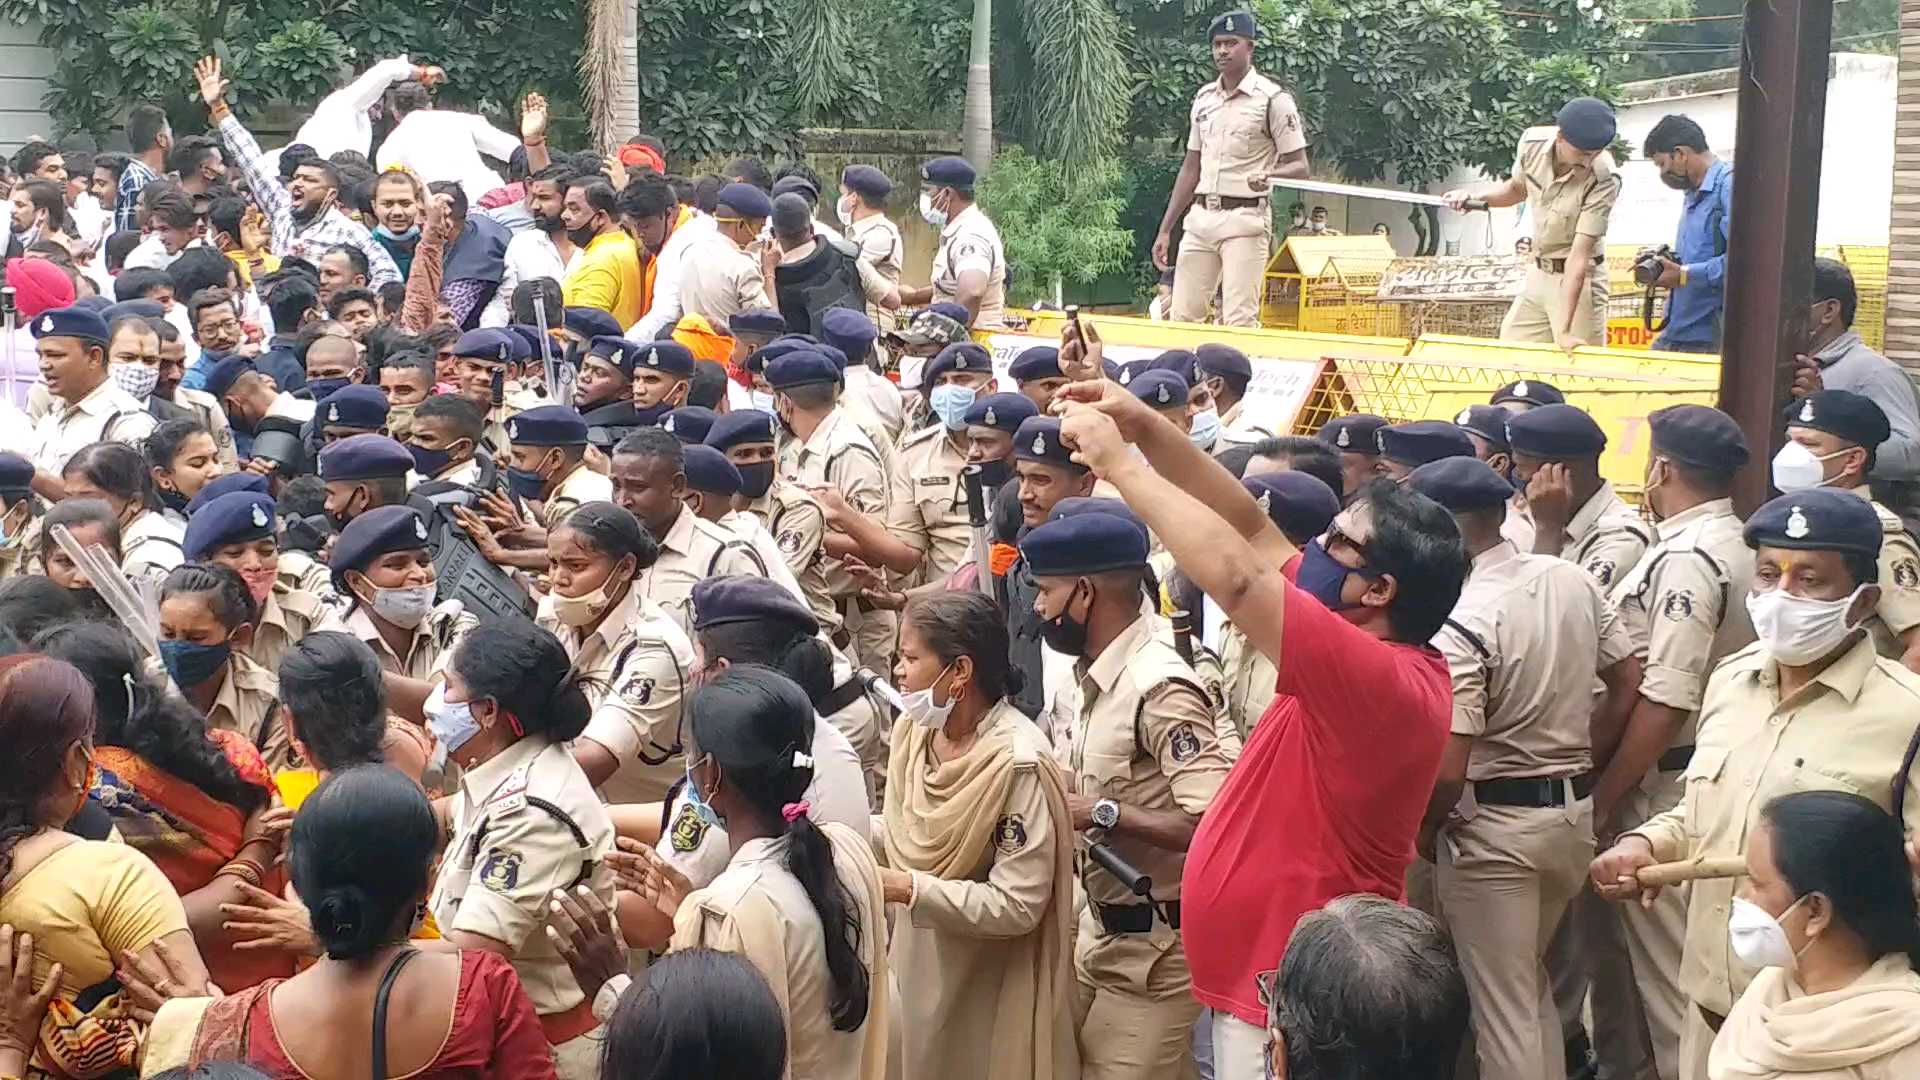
(262, 183)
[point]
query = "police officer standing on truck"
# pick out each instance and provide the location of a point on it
(1566, 177)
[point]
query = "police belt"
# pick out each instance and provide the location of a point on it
(845, 694)
(1536, 791)
(1136, 918)
(1228, 202)
(1559, 266)
(1676, 759)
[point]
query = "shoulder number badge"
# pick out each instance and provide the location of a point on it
(1010, 834)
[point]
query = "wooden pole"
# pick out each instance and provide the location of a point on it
(1783, 105)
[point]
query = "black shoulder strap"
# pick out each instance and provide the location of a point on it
(1900, 778)
(1473, 639)
(380, 998)
(552, 811)
(106, 433)
(736, 545)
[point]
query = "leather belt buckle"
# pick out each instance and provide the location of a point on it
(1212, 202)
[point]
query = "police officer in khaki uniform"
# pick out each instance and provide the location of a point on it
(1682, 605)
(549, 472)
(1142, 754)
(381, 567)
(1812, 709)
(238, 530)
(1301, 507)
(1511, 819)
(202, 637)
(485, 360)
(650, 482)
(1566, 177)
(1831, 438)
(827, 449)
(525, 821)
(862, 210)
(783, 508)
(927, 507)
(1572, 511)
(87, 405)
(970, 265)
(1244, 131)
(871, 397)
(1225, 374)
(1356, 438)
(636, 658)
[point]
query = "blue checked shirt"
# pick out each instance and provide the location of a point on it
(126, 200)
(314, 239)
(1706, 220)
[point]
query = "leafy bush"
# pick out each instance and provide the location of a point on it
(1053, 224)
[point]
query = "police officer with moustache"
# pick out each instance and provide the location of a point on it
(1831, 437)
(1810, 705)
(1566, 177)
(1047, 474)
(1511, 817)
(1244, 133)
(1682, 605)
(970, 265)
(649, 480)
(1144, 762)
(1571, 510)
(604, 391)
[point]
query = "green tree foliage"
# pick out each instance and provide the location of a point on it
(1053, 227)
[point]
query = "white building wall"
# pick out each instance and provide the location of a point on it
(24, 68)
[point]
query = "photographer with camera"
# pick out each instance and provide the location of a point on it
(1695, 273)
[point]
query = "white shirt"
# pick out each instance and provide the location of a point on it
(150, 254)
(16, 430)
(177, 315)
(340, 121)
(440, 144)
(90, 223)
(106, 412)
(530, 255)
(666, 279)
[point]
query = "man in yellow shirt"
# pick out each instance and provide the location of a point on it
(607, 274)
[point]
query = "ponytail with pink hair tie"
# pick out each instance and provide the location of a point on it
(794, 811)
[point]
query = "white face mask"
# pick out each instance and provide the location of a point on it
(934, 217)
(1757, 938)
(136, 379)
(844, 210)
(1796, 468)
(919, 705)
(1796, 630)
(405, 607)
(762, 400)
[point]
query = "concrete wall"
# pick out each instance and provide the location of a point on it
(24, 68)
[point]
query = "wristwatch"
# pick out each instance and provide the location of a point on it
(1106, 813)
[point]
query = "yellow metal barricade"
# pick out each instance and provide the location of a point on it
(1869, 266)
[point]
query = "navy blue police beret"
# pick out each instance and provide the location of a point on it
(758, 359)
(740, 427)
(1487, 421)
(849, 331)
(802, 367)
(379, 531)
(690, 424)
(1087, 543)
(1297, 503)
(1528, 392)
(668, 356)
(1555, 432)
(591, 323)
(953, 172)
(1161, 389)
(1461, 484)
(832, 353)
(548, 425)
(867, 180)
(225, 372)
(1216, 359)
(364, 457)
(960, 356)
(745, 598)
(16, 476)
(74, 322)
(1038, 439)
(616, 351)
(1853, 417)
(1352, 434)
(746, 201)
(1236, 23)
(525, 343)
(487, 343)
(764, 321)
(225, 485)
(234, 518)
(1422, 441)
(1039, 362)
(1001, 412)
(709, 470)
(1587, 123)
(1698, 435)
(356, 405)
(795, 184)
(1817, 519)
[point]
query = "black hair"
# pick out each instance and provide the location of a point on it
(166, 330)
(31, 603)
(226, 215)
(792, 218)
(409, 360)
(77, 512)
(145, 122)
(32, 154)
(697, 1012)
(137, 323)
(79, 164)
(174, 208)
(647, 194)
(164, 444)
(356, 259)
(356, 189)
(117, 469)
(294, 264)
(1417, 541)
(815, 397)
(329, 172)
(613, 532)
(1852, 852)
(303, 495)
(653, 442)
(336, 703)
(598, 195)
(49, 197)
(706, 192)
(525, 669)
(1833, 281)
(754, 722)
(204, 299)
(392, 295)
(1673, 132)
(750, 170)
(409, 96)
(1304, 453)
(290, 301)
(465, 417)
(200, 268)
(956, 624)
(1700, 478)
(115, 164)
(213, 1070)
(190, 153)
(359, 856)
(119, 246)
(304, 340)
(454, 193)
(708, 387)
(1234, 458)
(557, 173)
(683, 190)
(350, 159)
(137, 713)
(520, 303)
(791, 647)
(227, 594)
(343, 297)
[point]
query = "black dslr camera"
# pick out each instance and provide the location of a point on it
(1646, 265)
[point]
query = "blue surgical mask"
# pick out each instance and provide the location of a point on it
(192, 665)
(320, 388)
(527, 485)
(451, 722)
(428, 463)
(1205, 429)
(950, 403)
(1322, 577)
(403, 237)
(702, 809)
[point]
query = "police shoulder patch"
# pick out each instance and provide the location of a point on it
(1677, 605)
(637, 690)
(500, 870)
(789, 541)
(1602, 570)
(1906, 574)
(688, 830)
(1010, 834)
(1185, 743)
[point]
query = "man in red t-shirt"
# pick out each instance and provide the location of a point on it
(1328, 795)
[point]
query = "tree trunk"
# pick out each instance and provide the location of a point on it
(1903, 266)
(978, 124)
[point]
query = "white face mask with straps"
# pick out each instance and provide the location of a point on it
(1797, 630)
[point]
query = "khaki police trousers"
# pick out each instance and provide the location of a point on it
(1539, 308)
(1656, 937)
(1590, 952)
(1504, 878)
(1223, 250)
(1134, 1009)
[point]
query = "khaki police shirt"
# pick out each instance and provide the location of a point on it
(286, 616)
(298, 570)
(1142, 734)
(249, 704)
(881, 246)
(692, 551)
(970, 242)
(840, 454)
(799, 529)
(1577, 202)
(927, 508)
(433, 640)
(1242, 134)
(524, 823)
(1522, 646)
(1606, 537)
(773, 561)
(1685, 604)
(1849, 729)
(1899, 607)
(213, 416)
(1251, 679)
(637, 663)
(582, 485)
(718, 280)
(151, 546)
(105, 413)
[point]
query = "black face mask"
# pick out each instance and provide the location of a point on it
(1678, 181)
(755, 478)
(343, 515)
(583, 236)
(995, 473)
(1063, 633)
